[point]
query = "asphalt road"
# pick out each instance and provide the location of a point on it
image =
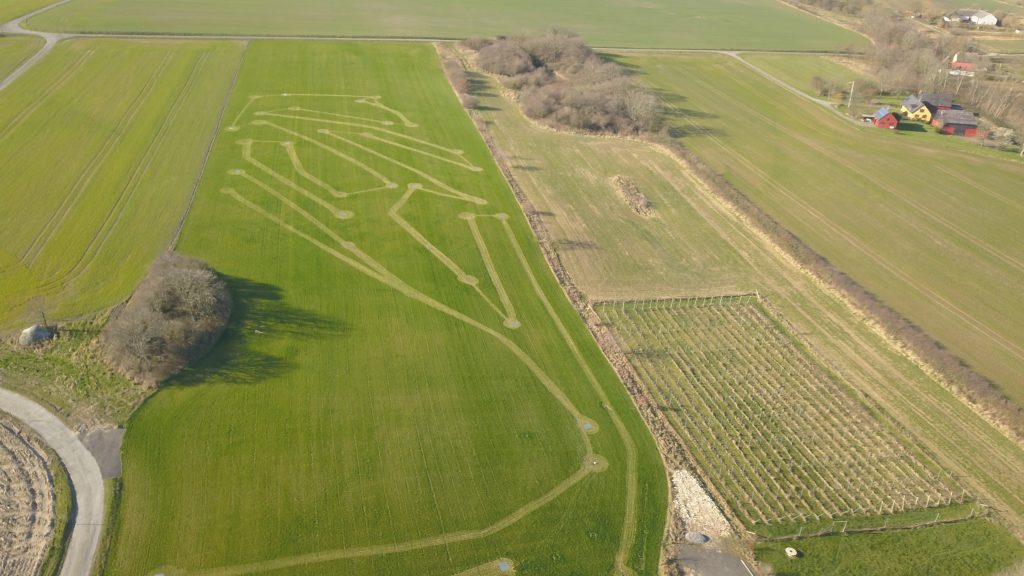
(86, 481)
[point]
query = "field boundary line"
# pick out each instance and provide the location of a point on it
(209, 149)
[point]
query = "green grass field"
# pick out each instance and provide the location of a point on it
(101, 145)
(798, 70)
(404, 388)
(11, 9)
(746, 24)
(16, 49)
(1010, 45)
(933, 230)
(937, 550)
(693, 245)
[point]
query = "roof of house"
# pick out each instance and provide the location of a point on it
(912, 103)
(882, 112)
(936, 99)
(968, 12)
(962, 117)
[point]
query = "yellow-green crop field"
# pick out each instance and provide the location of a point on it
(14, 50)
(404, 388)
(733, 24)
(934, 231)
(11, 9)
(101, 144)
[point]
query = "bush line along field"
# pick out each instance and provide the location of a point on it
(16, 49)
(127, 123)
(404, 388)
(694, 245)
(735, 24)
(933, 232)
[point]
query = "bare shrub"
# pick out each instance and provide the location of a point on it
(561, 80)
(631, 193)
(456, 75)
(477, 44)
(469, 101)
(174, 318)
(505, 57)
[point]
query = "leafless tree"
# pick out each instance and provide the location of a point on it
(174, 317)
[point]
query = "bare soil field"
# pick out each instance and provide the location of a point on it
(27, 509)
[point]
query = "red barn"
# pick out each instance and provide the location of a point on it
(885, 118)
(958, 123)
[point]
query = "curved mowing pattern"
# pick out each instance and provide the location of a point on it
(771, 426)
(403, 388)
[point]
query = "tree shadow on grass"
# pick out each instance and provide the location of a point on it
(259, 311)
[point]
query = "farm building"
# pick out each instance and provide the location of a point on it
(885, 118)
(971, 16)
(937, 101)
(914, 109)
(957, 123)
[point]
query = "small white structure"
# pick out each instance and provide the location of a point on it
(976, 17)
(982, 18)
(792, 552)
(33, 334)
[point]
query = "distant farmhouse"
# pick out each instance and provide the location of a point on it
(957, 123)
(959, 66)
(885, 118)
(971, 16)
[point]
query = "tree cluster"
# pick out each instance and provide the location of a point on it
(561, 80)
(174, 317)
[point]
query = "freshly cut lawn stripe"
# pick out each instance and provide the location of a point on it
(934, 231)
(100, 145)
(739, 24)
(404, 386)
(16, 49)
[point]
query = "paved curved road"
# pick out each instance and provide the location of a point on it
(14, 27)
(86, 480)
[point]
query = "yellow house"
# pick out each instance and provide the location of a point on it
(914, 109)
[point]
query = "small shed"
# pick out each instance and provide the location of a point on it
(885, 118)
(958, 123)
